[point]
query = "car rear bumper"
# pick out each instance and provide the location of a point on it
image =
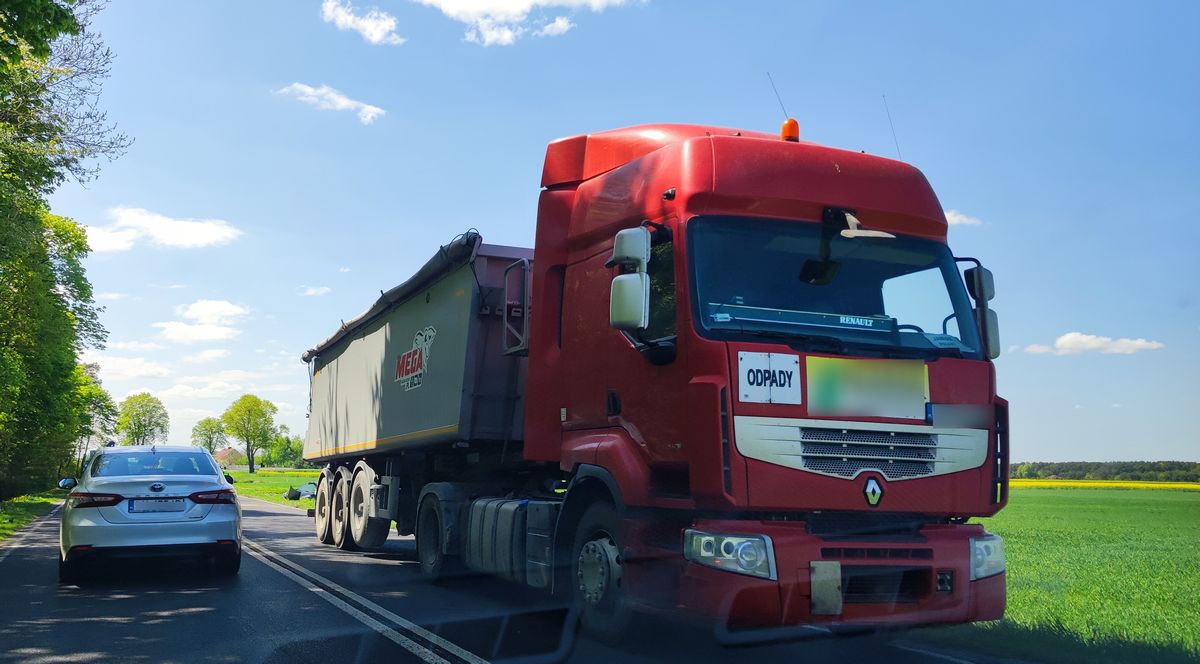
(194, 550)
(83, 529)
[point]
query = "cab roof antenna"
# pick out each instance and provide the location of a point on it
(777, 97)
(889, 116)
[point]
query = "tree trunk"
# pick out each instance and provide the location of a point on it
(250, 457)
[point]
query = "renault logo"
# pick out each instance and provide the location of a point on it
(157, 486)
(873, 491)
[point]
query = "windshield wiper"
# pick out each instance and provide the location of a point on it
(807, 342)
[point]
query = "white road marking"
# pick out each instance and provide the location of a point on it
(13, 542)
(930, 653)
(408, 644)
(448, 646)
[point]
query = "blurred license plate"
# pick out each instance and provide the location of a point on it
(156, 504)
(867, 388)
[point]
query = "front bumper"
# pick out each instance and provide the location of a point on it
(908, 581)
(86, 528)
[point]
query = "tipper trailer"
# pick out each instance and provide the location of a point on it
(739, 378)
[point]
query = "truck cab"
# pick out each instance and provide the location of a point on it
(768, 345)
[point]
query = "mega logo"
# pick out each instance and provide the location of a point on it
(411, 366)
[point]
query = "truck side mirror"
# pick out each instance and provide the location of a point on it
(980, 284)
(629, 302)
(631, 247)
(991, 332)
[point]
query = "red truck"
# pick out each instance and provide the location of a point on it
(740, 378)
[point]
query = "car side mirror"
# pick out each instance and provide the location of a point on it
(67, 483)
(980, 284)
(629, 302)
(229, 478)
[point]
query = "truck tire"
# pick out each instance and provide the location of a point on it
(595, 562)
(321, 511)
(435, 564)
(339, 514)
(368, 532)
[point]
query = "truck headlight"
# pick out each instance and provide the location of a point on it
(753, 555)
(987, 556)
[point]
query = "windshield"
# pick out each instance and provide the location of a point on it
(153, 463)
(891, 296)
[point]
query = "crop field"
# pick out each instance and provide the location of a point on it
(1102, 484)
(1094, 575)
(271, 484)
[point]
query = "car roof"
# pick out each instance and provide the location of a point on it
(129, 449)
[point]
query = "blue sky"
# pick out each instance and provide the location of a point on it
(247, 219)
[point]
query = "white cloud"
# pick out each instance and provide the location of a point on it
(956, 218)
(211, 390)
(1038, 349)
(187, 333)
(502, 22)
(343, 269)
(111, 296)
(375, 26)
(312, 291)
(132, 225)
(177, 286)
(121, 368)
(134, 345)
(328, 99)
(1072, 343)
(212, 312)
(559, 26)
(207, 355)
(227, 375)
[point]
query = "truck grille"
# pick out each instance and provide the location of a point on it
(846, 452)
(883, 584)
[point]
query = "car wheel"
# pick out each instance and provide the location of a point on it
(70, 572)
(596, 568)
(228, 565)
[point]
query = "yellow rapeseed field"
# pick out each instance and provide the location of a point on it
(1102, 484)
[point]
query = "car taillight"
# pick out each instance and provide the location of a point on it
(218, 497)
(85, 499)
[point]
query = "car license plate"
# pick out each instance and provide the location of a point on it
(156, 504)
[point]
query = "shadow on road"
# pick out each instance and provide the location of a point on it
(1051, 643)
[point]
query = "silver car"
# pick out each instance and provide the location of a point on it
(149, 501)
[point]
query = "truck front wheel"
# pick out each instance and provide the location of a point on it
(435, 564)
(596, 574)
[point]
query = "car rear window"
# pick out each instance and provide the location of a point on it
(153, 463)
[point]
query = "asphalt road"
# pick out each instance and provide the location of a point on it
(297, 601)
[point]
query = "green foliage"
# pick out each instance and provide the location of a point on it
(1133, 471)
(143, 420)
(1095, 575)
(284, 451)
(209, 433)
(251, 420)
(30, 25)
(271, 485)
(16, 513)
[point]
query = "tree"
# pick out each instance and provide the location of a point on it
(251, 420)
(99, 419)
(209, 433)
(286, 450)
(143, 420)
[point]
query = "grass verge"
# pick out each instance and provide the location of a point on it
(1094, 575)
(16, 513)
(270, 485)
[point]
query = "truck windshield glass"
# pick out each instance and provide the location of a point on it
(898, 296)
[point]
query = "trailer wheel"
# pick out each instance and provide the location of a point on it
(435, 564)
(340, 514)
(368, 532)
(596, 568)
(321, 511)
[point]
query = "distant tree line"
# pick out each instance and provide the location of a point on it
(1134, 471)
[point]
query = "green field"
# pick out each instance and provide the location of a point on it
(16, 513)
(1094, 575)
(270, 485)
